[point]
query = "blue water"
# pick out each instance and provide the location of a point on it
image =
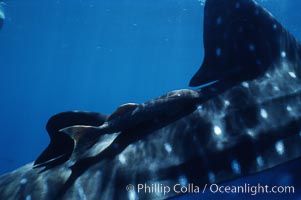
(88, 55)
(95, 55)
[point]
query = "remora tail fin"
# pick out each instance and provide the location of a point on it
(61, 145)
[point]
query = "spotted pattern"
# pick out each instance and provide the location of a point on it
(211, 177)
(260, 161)
(292, 74)
(263, 113)
(283, 54)
(122, 158)
(245, 84)
(183, 180)
(23, 181)
(217, 130)
(236, 167)
(280, 148)
(251, 47)
(132, 195)
(168, 147)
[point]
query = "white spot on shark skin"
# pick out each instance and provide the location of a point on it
(263, 113)
(245, 84)
(260, 161)
(251, 47)
(98, 174)
(275, 26)
(211, 177)
(217, 130)
(300, 133)
(153, 166)
(23, 181)
(235, 167)
(132, 195)
(292, 74)
(218, 52)
(168, 147)
(183, 180)
(251, 133)
(219, 20)
(80, 191)
(122, 159)
(279, 146)
(28, 197)
(199, 107)
(227, 103)
(276, 88)
(283, 54)
(289, 109)
(237, 5)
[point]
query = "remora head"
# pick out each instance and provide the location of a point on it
(241, 40)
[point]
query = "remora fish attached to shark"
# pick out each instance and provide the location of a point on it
(246, 122)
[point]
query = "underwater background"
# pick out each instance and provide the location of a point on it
(95, 55)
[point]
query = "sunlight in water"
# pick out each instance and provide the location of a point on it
(2, 15)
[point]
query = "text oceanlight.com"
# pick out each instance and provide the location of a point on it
(213, 188)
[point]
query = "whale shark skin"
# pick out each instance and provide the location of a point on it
(246, 122)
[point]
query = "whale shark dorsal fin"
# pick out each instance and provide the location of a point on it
(241, 41)
(61, 145)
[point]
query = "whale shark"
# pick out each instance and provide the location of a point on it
(246, 121)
